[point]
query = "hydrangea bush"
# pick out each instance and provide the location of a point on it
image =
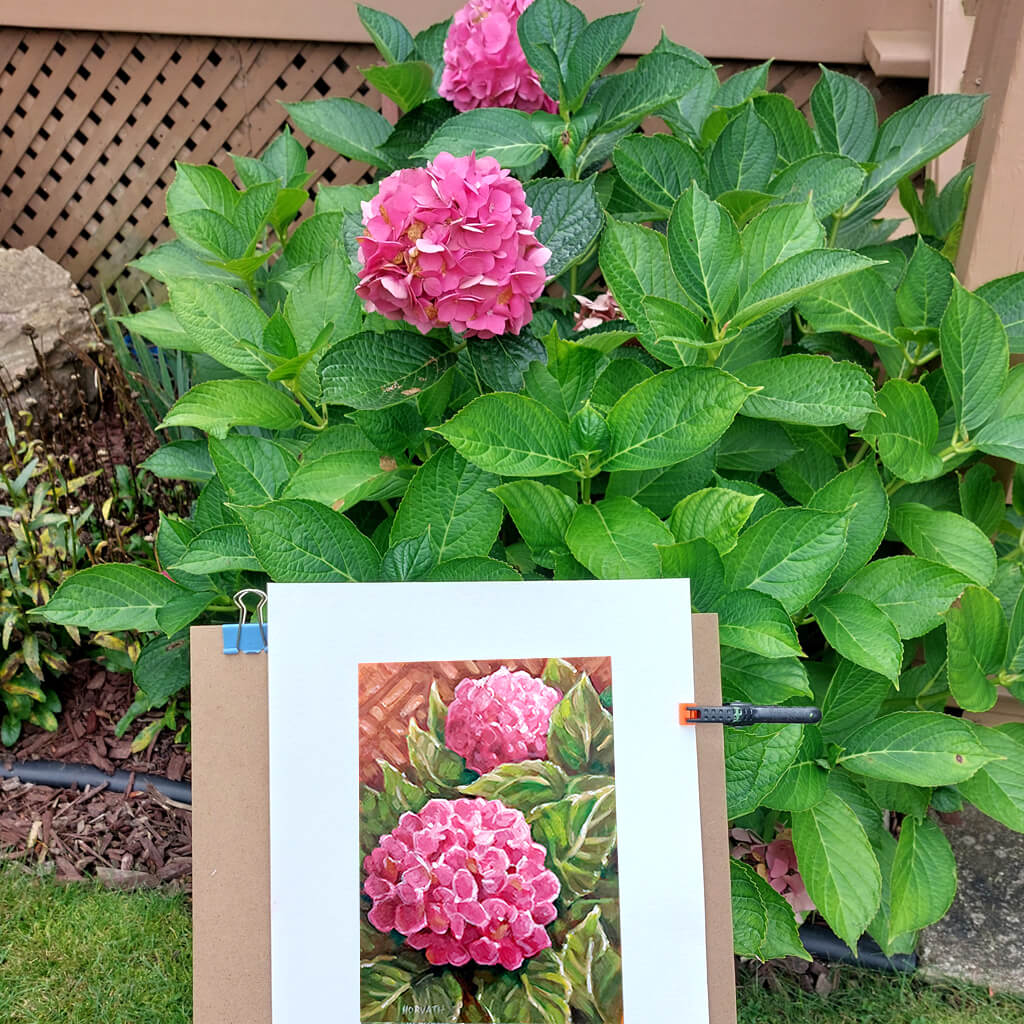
(475, 868)
(781, 402)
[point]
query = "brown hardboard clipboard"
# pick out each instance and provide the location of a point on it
(231, 832)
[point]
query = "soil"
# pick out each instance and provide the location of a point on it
(125, 839)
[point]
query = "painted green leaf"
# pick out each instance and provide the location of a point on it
(594, 970)
(580, 734)
(539, 993)
(922, 748)
(390, 991)
(579, 835)
(523, 785)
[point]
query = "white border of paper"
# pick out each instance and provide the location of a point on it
(321, 633)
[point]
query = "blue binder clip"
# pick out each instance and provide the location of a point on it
(247, 637)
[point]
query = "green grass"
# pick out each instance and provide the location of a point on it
(81, 954)
(865, 997)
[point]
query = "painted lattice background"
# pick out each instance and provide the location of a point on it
(92, 123)
(391, 694)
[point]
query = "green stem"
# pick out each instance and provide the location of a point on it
(834, 232)
(859, 454)
(320, 421)
(585, 486)
(458, 348)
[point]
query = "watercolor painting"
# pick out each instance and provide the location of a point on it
(488, 869)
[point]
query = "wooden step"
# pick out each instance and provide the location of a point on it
(902, 53)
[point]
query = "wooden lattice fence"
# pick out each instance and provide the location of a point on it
(91, 124)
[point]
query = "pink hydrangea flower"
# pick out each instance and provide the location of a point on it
(500, 719)
(463, 880)
(593, 312)
(484, 65)
(452, 244)
(776, 863)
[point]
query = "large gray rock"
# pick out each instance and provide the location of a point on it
(981, 939)
(45, 329)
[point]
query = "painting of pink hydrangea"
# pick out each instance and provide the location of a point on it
(488, 868)
(452, 244)
(484, 65)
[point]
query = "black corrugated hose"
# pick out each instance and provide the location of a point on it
(62, 775)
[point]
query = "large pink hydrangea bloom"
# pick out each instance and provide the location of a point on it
(452, 244)
(484, 65)
(500, 719)
(463, 880)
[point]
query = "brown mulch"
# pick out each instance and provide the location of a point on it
(124, 839)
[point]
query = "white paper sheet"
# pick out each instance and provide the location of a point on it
(321, 633)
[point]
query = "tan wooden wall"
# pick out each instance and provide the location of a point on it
(91, 124)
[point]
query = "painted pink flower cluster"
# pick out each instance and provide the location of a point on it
(452, 244)
(500, 719)
(463, 880)
(484, 65)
